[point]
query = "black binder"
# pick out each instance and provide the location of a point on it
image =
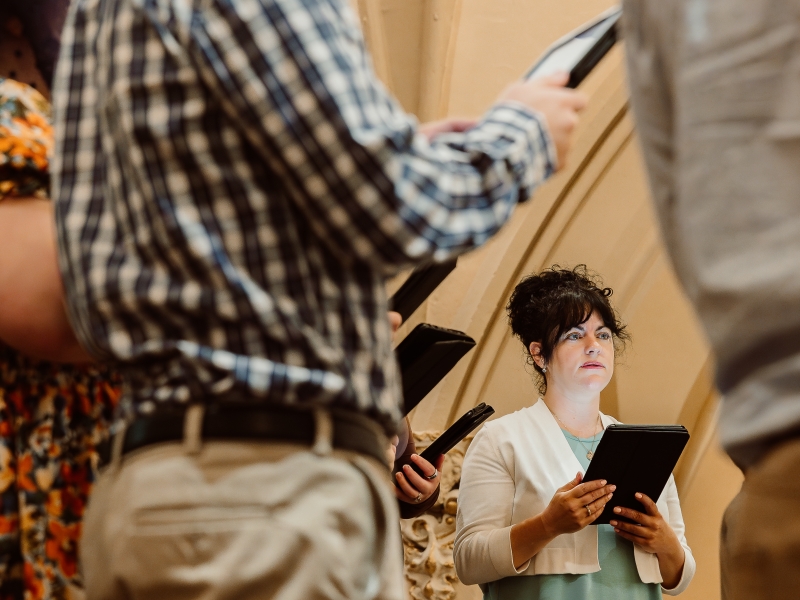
(465, 425)
(635, 458)
(581, 50)
(419, 285)
(425, 356)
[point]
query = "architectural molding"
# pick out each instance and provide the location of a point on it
(428, 539)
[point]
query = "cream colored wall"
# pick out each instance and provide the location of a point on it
(452, 57)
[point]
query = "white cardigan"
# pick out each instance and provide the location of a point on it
(512, 469)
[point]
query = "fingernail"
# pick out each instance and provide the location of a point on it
(603, 482)
(616, 531)
(612, 488)
(613, 523)
(414, 455)
(609, 496)
(638, 495)
(617, 509)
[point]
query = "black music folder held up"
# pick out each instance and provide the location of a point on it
(419, 285)
(635, 458)
(466, 424)
(425, 356)
(581, 50)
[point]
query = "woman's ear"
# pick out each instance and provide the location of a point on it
(536, 353)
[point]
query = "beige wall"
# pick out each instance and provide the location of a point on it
(452, 57)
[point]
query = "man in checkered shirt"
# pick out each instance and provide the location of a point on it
(233, 186)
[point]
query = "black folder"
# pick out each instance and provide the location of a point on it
(465, 425)
(635, 458)
(419, 285)
(581, 50)
(425, 356)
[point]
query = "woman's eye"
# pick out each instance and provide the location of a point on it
(573, 336)
(604, 335)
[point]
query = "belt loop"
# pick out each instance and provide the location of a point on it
(193, 428)
(323, 432)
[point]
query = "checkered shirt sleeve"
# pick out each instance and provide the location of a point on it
(233, 185)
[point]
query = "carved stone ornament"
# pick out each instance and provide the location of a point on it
(428, 539)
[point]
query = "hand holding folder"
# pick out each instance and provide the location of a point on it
(635, 458)
(465, 425)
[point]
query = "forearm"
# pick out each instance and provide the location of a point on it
(32, 315)
(387, 195)
(670, 563)
(527, 539)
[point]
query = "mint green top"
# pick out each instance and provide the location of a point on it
(617, 578)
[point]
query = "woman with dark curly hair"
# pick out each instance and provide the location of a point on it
(524, 525)
(53, 416)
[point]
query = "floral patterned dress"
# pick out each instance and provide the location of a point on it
(52, 417)
(26, 140)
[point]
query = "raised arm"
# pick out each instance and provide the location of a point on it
(375, 188)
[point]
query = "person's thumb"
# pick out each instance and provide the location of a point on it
(570, 485)
(558, 79)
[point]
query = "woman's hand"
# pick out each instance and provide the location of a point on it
(654, 535)
(576, 505)
(573, 507)
(412, 487)
(558, 105)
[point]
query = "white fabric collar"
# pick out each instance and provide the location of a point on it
(555, 437)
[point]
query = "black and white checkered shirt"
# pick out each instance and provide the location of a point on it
(233, 185)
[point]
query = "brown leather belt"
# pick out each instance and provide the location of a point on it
(264, 423)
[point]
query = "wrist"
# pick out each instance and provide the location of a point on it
(671, 576)
(672, 549)
(674, 553)
(547, 529)
(671, 562)
(532, 530)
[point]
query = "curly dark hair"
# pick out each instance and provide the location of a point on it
(544, 306)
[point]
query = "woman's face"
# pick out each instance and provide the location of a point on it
(583, 359)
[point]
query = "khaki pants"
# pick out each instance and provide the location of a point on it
(242, 520)
(760, 550)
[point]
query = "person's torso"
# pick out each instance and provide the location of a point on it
(715, 87)
(534, 449)
(195, 272)
(617, 578)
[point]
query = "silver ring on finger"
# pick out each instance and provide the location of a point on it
(589, 510)
(435, 474)
(418, 498)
